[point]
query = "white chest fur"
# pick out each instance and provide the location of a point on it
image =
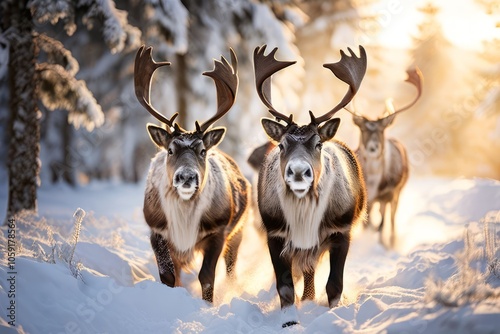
(304, 215)
(183, 216)
(183, 221)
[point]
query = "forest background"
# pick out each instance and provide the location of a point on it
(67, 98)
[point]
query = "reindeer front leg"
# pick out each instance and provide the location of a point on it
(338, 254)
(284, 281)
(212, 247)
(166, 266)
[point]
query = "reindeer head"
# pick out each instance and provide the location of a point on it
(372, 131)
(301, 146)
(186, 161)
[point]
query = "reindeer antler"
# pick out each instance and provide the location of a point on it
(264, 68)
(144, 68)
(225, 77)
(349, 69)
(415, 77)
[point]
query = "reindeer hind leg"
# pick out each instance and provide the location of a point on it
(382, 210)
(231, 252)
(309, 289)
(235, 228)
(211, 250)
(394, 207)
(383, 206)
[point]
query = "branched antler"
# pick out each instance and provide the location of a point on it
(264, 68)
(351, 70)
(225, 77)
(415, 77)
(144, 68)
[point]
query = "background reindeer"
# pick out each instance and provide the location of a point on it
(384, 160)
(310, 189)
(196, 197)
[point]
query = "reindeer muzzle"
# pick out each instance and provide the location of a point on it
(186, 180)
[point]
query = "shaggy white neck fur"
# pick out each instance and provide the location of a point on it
(304, 216)
(183, 216)
(183, 221)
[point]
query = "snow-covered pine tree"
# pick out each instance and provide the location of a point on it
(52, 81)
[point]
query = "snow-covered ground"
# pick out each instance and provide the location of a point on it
(443, 276)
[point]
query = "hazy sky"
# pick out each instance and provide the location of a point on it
(464, 23)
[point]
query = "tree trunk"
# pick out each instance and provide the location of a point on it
(182, 89)
(68, 173)
(24, 128)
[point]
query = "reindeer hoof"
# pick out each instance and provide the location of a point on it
(289, 316)
(335, 302)
(289, 323)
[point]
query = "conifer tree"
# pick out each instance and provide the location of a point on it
(42, 70)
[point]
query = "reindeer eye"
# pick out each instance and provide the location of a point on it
(170, 152)
(319, 146)
(280, 146)
(203, 153)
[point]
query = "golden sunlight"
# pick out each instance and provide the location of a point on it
(464, 22)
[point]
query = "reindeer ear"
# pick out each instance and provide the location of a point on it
(273, 129)
(389, 111)
(358, 120)
(328, 130)
(386, 121)
(159, 135)
(213, 137)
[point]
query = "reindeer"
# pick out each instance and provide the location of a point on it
(384, 160)
(196, 197)
(310, 188)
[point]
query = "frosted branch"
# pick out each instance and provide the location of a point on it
(57, 54)
(117, 32)
(52, 11)
(60, 90)
(173, 17)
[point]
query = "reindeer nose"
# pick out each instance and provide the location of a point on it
(373, 147)
(298, 171)
(185, 177)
